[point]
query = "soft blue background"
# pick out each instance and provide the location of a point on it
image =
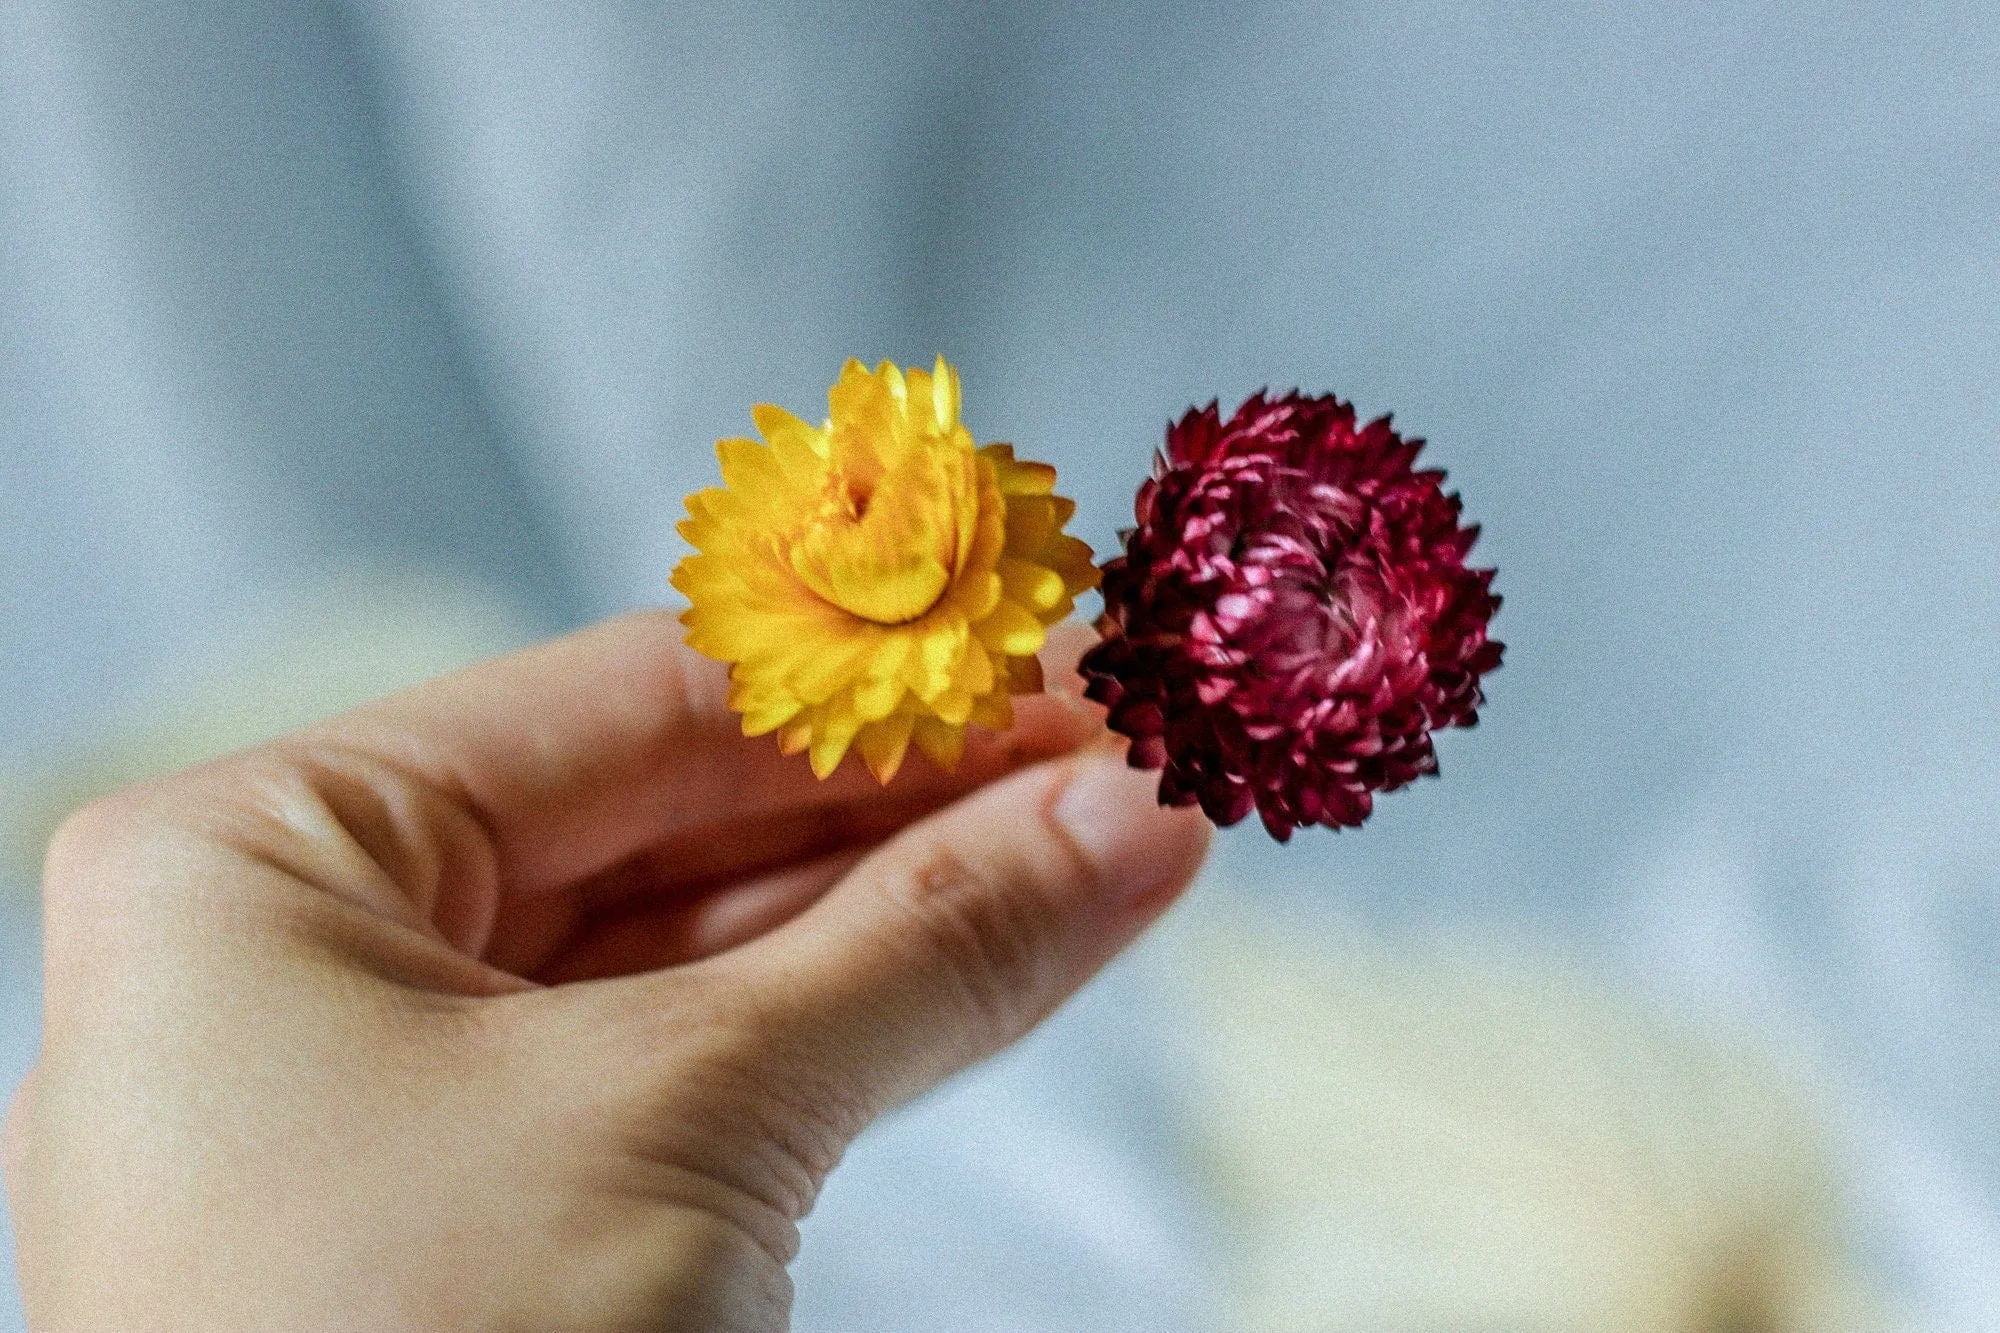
(1696, 302)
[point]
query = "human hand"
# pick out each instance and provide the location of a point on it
(533, 998)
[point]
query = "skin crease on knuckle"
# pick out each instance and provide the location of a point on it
(991, 934)
(354, 819)
(331, 822)
(742, 1095)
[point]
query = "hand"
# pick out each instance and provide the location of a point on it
(533, 998)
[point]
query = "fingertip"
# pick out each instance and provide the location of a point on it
(1142, 852)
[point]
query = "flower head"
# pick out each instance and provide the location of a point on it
(877, 579)
(1292, 616)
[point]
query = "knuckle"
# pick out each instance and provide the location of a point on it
(113, 873)
(91, 835)
(798, 1116)
(745, 1101)
(330, 796)
(987, 932)
(80, 837)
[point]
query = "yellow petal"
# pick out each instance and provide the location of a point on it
(883, 744)
(1074, 561)
(1034, 586)
(954, 706)
(795, 735)
(993, 710)
(975, 671)
(701, 579)
(978, 594)
(877, 697)
(887, 661)
(764, 709)
(800, 449)
(1024, 675)
(944, 744)
(1016, 477)
(989, 534)
(938, 652)
(1013, 629)
(832, 733)
(1031, 520)
(748, 469)
(889, 596)
(945, 394)
(728, 634)
(822, 667)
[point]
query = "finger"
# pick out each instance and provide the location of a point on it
(1066, 646)
(958, 935)
(531, 934)
(580, 753)
(540, 936)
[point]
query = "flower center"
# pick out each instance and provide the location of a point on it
(881, 543)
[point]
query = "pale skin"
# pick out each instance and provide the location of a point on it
(535, 998)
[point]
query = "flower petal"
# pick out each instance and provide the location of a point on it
(879, 579)
(1034, 586)
(944, 744)
(1013, 629)
(1290, 618)
(882, 744)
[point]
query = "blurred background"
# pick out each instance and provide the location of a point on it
(346, 340)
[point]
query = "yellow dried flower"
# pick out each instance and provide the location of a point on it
(877, 579)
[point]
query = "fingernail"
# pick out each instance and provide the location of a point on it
(1114, 815)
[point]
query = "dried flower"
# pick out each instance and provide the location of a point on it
(1292, 617)
(877, 579)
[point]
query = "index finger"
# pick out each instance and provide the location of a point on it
(580, 753)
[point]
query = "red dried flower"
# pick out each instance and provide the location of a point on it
(1292, 617)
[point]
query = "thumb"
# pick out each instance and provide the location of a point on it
(959, 935)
